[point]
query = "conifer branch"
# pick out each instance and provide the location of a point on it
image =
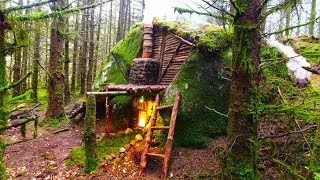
(16, 8)
(44, 15)
(292, 27)
(12, 85)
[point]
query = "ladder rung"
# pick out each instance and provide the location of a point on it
(160, 127)
(164, 107)
(156, 155)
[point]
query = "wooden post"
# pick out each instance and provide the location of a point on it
(91, 160)
(143, 163)
(170, 135)
(107, 117)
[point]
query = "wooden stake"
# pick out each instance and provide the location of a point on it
(107, 118)
(143, 163)
(170, 135)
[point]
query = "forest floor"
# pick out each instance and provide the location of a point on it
(44, 157)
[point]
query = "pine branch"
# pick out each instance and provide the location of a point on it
(44, 15)
(281, 6)
(12, 85)
(190, 11)
(218, 8)
(16, 8)
(292, 27)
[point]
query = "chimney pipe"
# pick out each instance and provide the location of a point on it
(147, 41)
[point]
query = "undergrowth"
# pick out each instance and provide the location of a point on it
(105, 147)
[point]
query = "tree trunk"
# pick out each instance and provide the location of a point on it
(91, 49)
(110, 28)
(66, 67)
(241, 158)
(25, 55)
(3, 114)
(96, 57)
(36, 59)
(90, 145)
(17, 71)
(312, 17)
(121, 23)
(56, 80)
(288, 19)
(75, 53)
(83, 62)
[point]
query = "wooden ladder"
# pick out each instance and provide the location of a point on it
(166, 155)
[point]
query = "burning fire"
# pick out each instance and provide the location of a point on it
(142, 118)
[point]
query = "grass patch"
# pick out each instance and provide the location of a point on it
(104, 148)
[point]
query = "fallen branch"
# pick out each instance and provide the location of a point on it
(288, 133)
(14, 116)
(221, 114)
(304, 137)
(288, 168)
(32, 118)
(21, 7)
(78, 111)
(61, 130)
(314, 71)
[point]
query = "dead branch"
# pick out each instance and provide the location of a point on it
(31, 118)
(78, 111)
(16, 8)
(15, 116)
(61, 130)
(288, 133)
(304, 137)
(314, 71)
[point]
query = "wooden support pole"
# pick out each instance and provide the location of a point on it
(91, 158)
(108, 93)
(143, 163)
(170, 135)
(107, 117)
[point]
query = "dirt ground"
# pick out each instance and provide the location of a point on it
(43, 157)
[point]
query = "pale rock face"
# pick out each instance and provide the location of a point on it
(295, 63)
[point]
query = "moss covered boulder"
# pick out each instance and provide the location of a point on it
(203, 89)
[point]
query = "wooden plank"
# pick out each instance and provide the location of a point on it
(170, 135)
(143, 162)
(164, 107)
(169, 63)
(108, 93)
(156, 155)
(160, 127)
(163, 46)
(107, 126)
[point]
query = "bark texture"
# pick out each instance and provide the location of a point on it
(241, 159)
(56, 80)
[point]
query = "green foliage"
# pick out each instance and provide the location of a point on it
(202, 86)
(212, 37)
(104, 148)
(215, 38)
(2, 167)
(183, 10)
(120, 58)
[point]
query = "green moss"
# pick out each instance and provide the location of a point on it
(2, 167)
(201, 84)
(104, 147)
(308, 46)
(120, 58)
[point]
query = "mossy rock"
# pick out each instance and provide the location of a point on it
(115, 67)
(202, 86)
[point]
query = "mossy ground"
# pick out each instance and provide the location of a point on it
(105, 147)
(308, 47)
